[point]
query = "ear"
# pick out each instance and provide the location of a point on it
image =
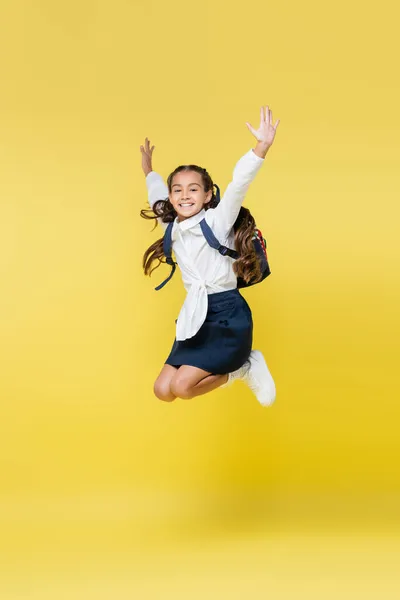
(208, 197)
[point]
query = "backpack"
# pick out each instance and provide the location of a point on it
(259, 242)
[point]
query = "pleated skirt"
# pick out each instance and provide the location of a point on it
(224, 341)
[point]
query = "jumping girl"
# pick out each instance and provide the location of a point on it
(214, 329)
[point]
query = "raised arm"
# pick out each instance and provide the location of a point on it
(225, 214)
(156, 187)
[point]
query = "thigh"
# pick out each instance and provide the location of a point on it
(187, 376)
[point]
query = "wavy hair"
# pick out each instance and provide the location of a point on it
(246, 266)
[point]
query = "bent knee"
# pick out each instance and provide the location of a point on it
(181, 389)
(163, 392)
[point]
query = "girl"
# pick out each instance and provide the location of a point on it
(214, 329)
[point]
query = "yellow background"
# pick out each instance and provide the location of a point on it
(105, 491)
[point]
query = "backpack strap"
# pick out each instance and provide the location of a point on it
(214, 243)
(167, 247)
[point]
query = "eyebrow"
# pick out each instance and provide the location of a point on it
(194, 183)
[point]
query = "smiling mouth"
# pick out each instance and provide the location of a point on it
(186, 204)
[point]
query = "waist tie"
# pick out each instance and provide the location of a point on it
(194, 310)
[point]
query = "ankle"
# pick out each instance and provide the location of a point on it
(225, 379)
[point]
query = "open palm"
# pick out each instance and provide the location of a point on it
(266, 131)
(147, 156)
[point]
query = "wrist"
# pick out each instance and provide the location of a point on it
(261, 149)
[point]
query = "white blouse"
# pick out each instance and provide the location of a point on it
(204, 270)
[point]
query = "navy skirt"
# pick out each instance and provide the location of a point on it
(224, 341)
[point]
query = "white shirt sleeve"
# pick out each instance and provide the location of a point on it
(223, 217)
(156, 190)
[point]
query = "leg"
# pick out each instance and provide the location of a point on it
(162, 385)
(189, 382)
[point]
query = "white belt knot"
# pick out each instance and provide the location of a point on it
(193, 311)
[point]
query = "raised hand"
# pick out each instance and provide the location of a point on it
(147, 153)
(266, 131)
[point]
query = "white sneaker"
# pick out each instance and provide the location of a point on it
(240, 373)
(259, 379)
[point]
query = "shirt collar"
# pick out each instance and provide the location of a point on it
(191, 221)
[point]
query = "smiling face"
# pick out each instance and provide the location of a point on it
(187, 194)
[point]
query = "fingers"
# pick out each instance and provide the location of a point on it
(267, 116)
(146, 148)
(251, 129)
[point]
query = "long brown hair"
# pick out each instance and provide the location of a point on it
(246, 266)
